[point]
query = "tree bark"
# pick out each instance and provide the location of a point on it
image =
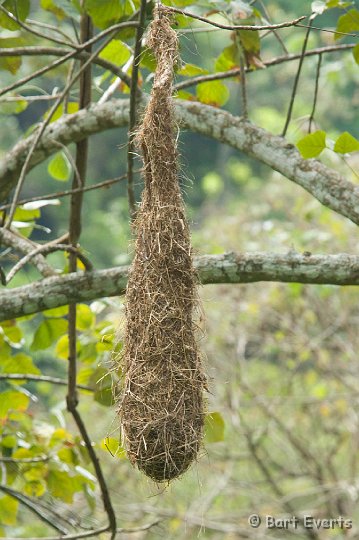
(229, 268)
(325, 184)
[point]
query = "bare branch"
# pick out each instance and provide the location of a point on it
(341, 269)
(268, 63)
(296, 80)
(317, 75)
(236, 26)
(11, 239)
(133, 107)
(39, 378)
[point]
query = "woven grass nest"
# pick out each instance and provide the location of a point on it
(162, 399)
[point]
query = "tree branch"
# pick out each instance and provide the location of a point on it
(231, 268)
(268, 63)
(325, 184)
(39, 378)
(25, 246)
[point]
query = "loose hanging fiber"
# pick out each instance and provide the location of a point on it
(161, 407)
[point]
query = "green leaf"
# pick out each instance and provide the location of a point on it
(49, 5)
(348, 23)
(212, 93)
(61, 485)
(191, 70)
(107, 12)
(228, 59)
(18, 9)
(346, 143)
(356, 53)
(35, 488)
(312, 145)
(116, 51)
(60, 167)
(114, 447)
(47, 333)
(11, 400)
(85, 318)
(11, 332)
(62, 347)
(72, 107)
(8, 510)
(214, 427)
(9, 441)
(102, 381)
(19, 363)
(10, 63)
(12, 107)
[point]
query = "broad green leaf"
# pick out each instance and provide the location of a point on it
(212, 93)
(47, 333)
(19, 363)
(183, 94)
(191, 70)
(85, 318)
(228, 59)
(60, 167)
(148, 59)
(107, 12)
(346, 143)
(11, 400)
(68, 455)
(10, 63)
(338, 4)
(60, 436)
(113, 446)
(250, 40)
(56, 312)
(25, 214)
(19, 9)
(49, 5)
(8, 510)
(102, 381)
(35, 488)
(214, 427)
(348, 23)
(212, 183)
(12, 107)
(11, 332)
(9, 441)
(72, 107)
(356, 53)
(62, 347)
(61, 485)
(116, 51)
(312, 145)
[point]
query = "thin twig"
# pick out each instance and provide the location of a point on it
(74, 236)
(311, 118)
(43, 127)
(77, 52)
(296, 80)
(327, 30)
(273, 62)
(40, 378)
(243, 80)
(33, 507)
(133, 108)
(24, 245)
(94, 532)
(276, 34)
(37, 459)
(59, 194)
(237, 26)
(47, 249)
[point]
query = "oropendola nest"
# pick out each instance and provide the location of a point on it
(162, 400)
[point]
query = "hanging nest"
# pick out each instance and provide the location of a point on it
(162, 406)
